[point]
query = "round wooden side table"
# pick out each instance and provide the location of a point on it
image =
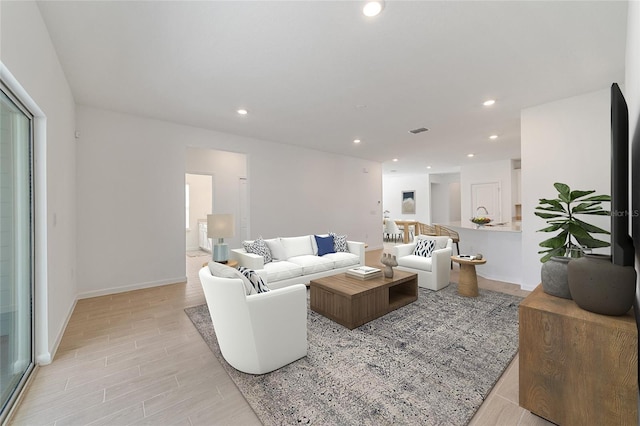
(231, 263)
(468, 280)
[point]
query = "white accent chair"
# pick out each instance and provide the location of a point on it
(391, 230)
(433, 272)
(260, 332)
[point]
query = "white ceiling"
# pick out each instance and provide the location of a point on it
(320, 74)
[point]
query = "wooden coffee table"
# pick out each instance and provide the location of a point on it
(352, 302)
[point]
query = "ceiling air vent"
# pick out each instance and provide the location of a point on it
(420, 130)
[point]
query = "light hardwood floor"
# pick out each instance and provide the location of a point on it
(135, 358)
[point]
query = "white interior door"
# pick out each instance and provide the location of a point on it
(486, 195)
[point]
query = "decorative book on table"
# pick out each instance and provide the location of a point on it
(364, 272)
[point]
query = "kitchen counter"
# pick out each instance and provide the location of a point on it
(500, 245)
(502, 227)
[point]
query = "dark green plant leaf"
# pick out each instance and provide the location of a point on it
(590, 228)
(553, 202)
(591, 242)
(555, 242)
(551, 253)
(577, 231)
(585, 206)
(598, 198)
(552, 228)
(564, 192)
(578, 194)
(547, 215)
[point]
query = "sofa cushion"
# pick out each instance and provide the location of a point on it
(424, 247)
(325, 244)
(339, 242)
(416, 262)
(223, 271)
(255, 279)
(276, 248)
(314, 245)
(311, 264)
(282, 270)
(297, 246)
(258, 246)
(341, 260)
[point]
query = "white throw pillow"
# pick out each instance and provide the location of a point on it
(223, 271)
(276, 248)
(297, 246)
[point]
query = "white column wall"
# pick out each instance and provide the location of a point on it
(566, 141)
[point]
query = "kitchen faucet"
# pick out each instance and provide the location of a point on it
(486, 212)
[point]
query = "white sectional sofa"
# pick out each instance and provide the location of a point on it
(296, 260)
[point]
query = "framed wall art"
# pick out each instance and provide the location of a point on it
(408, 202)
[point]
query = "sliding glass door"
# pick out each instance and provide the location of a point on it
(16, 248)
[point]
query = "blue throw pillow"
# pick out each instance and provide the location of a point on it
(325, 245)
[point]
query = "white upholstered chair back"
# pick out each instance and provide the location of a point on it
(257, 333)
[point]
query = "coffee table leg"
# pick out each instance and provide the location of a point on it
(468, 285)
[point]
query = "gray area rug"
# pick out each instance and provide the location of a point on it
(432, 362)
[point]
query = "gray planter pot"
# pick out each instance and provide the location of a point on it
(600, 286)
(554, 277)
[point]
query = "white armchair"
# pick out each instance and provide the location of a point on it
(257, 333)
(433, 272)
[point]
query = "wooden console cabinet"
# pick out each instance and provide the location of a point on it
(577, 367)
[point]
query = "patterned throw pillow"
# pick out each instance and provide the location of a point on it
(424, 248)
(255, 279)
(339, 242)
(258, 246)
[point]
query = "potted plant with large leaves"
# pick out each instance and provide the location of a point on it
(574, 235)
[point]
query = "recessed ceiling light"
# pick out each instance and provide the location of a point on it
(489, 102)
(493, 137)
(395, 159)
(372, 8)
(357, 141)
(428, 167)
(470, 155)
(243, 111)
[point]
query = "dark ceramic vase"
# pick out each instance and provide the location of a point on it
(600, 286)
(554, 277)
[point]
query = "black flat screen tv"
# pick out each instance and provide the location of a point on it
(622, 250)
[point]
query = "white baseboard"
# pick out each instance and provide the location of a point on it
(370, 248)
(139, 286)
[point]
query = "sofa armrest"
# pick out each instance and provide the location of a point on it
(402, 250)
(441, 265)
(279, 321)
(357, 248)
(248, 260)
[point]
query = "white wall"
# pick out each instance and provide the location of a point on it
(27, 52)
(200, 205)
(445, 197)
(394, 185)
(227, 168)
(131, 196)
(565, 141)
(495, 171)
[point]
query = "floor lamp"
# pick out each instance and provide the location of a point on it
(220, 226)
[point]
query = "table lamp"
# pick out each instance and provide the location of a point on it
(220, 226)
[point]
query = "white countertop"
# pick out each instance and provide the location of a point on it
(506, 227)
